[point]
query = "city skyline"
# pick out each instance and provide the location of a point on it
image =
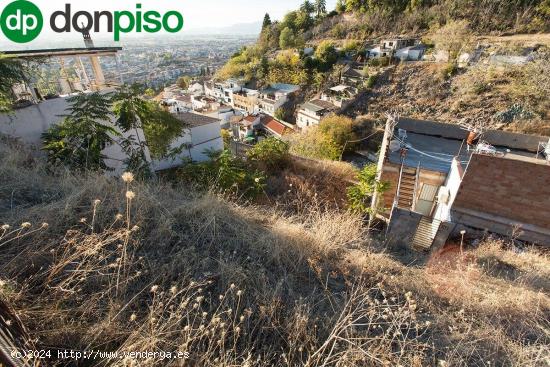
(210, 16)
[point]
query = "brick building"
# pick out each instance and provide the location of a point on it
(441, 182)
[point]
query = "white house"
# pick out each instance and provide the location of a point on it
(196, 89)
(273, 97)
(202, 134)
(341, 95)
(226, 115)
(411, 53)
(312, 112)
(245, 128)
(203, 103)
(179, 103)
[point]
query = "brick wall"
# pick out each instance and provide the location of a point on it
(512, 189)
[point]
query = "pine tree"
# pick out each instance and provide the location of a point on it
(267, 21)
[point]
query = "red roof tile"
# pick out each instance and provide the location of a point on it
(275, 127)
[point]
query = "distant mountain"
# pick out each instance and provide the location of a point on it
(239, 29)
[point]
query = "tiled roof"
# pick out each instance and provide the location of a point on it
(274, 126)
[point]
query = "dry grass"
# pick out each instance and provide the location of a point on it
(237, 285)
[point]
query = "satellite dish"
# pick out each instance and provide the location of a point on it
(395, 145)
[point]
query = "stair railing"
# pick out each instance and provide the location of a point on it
(416, 183)
(398, 193)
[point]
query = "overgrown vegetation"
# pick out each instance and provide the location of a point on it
(225, 174)
(360, 194)
(329, 140)
(13, 72)
(132, 266)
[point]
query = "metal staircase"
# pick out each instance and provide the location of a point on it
(407, 188)
(425, 234)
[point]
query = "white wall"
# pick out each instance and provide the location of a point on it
(199, 139)
(30, 122)
(305, 120)
(454, 179)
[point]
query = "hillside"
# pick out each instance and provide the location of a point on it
(513, 98)
(95, 263)
(503, 96)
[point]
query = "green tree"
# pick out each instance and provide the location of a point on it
(307, 7)
(326, 55)
(12, 71)
(320, 8)
(267, 21)
(339, 129)
(286, 39)
(160, 128)
(184, 81)
(280, 114)
(78, 141)
(341, 6)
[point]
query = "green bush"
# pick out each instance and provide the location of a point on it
(224, 173)
(449, 70)
(360, 194)
(371, 81)
(269, 154)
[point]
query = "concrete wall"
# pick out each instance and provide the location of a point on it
(402, 228)
(499, 194)
(454, 179)
(196, 141)
(307, 118)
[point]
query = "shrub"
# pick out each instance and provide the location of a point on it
(269, 154)
(224, 173)
(448, 70)
(338, 129)
(329, 140)
(371, 81)
(360, 194)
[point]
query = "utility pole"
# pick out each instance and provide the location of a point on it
(391, 122)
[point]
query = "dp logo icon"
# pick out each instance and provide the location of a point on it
(21, 21)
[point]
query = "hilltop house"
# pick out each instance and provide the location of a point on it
(246, 100)
(444, 179)
(341, 95)
(352, 76)
(273, 97)
(312, 112)
(389, 47)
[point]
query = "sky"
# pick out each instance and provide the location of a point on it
(198, 14)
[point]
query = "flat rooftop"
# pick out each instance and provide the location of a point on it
(433, 145)
(195, 120)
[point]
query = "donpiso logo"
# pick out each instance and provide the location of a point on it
(21, 21)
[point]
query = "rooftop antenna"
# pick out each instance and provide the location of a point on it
(88, 42)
